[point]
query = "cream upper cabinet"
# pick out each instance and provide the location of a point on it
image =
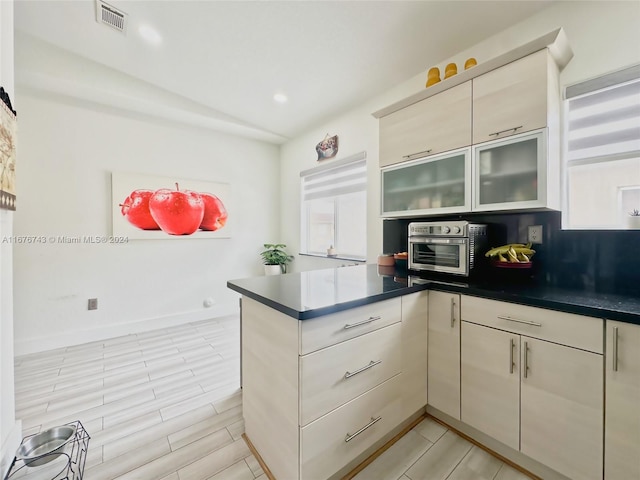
(491, 382)
(518, 97)
(433, 125)
(443, 391)
(622, 419)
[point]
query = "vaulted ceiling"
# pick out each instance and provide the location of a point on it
(231, 57)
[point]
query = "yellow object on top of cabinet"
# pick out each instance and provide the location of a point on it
(471, 62)
(450, 70)
(433, 76)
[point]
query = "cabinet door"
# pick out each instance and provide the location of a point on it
(491, 382)
(622, 429)
(562, 408)
(443, 365)
(438, 184)
(436, 124)
(510, 173)
(511, 99)
(414, 351)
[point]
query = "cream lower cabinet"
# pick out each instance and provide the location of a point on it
(491, 382)
(622, 419)
(533, 379)
(444, 353)
(319, 395)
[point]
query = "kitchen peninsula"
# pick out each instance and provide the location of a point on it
(335, 364)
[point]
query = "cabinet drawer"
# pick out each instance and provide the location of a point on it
(577, 331)
(334, 375)
(331, 442)
(331, 329)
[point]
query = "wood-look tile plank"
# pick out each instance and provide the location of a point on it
(430, 429)
(254, 465)
(507, 472)
(215, 462)
(441, 459)
(162, 429)
(476, 465)
(238, 471)
(186, 457)
(133, 459)
(205, 427)
(397, 459)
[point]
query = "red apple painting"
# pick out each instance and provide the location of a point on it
(151, 207)
(215, 213)
(135, 209)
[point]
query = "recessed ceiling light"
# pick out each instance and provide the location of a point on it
(280, 98)
(150, 34)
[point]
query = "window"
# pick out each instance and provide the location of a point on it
(603, 150)
(334, 208)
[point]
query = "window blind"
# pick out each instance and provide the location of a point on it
(337, 178)
(603, 117)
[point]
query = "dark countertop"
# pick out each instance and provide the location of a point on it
(314, 293)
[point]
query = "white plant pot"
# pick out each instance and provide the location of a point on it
(633, 223)
(272, 269)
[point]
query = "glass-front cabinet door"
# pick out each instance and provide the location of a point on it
(426, 186)
(511, 173)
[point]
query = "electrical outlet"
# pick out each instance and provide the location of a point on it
(92, 304)
(535, 234)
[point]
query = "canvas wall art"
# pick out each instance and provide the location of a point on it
(7, 153)
(154, 207)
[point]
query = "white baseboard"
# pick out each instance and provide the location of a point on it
(9, 447)
(77, 337)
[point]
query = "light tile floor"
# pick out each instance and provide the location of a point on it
(166, 405)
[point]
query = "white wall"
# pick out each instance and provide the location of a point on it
(604, 36)
(67, 151)
(10, 429)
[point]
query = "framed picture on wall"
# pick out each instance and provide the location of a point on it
(154, 207)
(7, 153)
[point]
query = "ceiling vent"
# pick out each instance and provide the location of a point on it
(108, 15)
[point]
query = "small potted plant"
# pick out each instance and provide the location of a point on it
(633, 220)
(275, 259)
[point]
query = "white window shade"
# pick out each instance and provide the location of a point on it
(334, 207)
(604, 117)
(602, 150)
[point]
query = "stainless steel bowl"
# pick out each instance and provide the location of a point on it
(45, 446)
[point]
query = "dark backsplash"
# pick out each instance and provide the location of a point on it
(603, 261)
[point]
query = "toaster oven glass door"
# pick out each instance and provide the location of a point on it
(447, 255)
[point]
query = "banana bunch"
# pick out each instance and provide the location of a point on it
(512, 252)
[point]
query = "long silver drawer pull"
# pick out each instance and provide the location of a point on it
(513, 129)
(526, 322)
(350, 436)
(364, 322)
(526, 360)
(417, 153)
(615, 349)
(511, 347)
(453, 312)
(360, 370)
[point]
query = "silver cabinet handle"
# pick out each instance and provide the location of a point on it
(453, 312)
(526, 322)
(350, 436)
(615, 349)
(512, 345)
(364, 322)
(371, 364)
(513, 129)
(525, 370)
(417, 153)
